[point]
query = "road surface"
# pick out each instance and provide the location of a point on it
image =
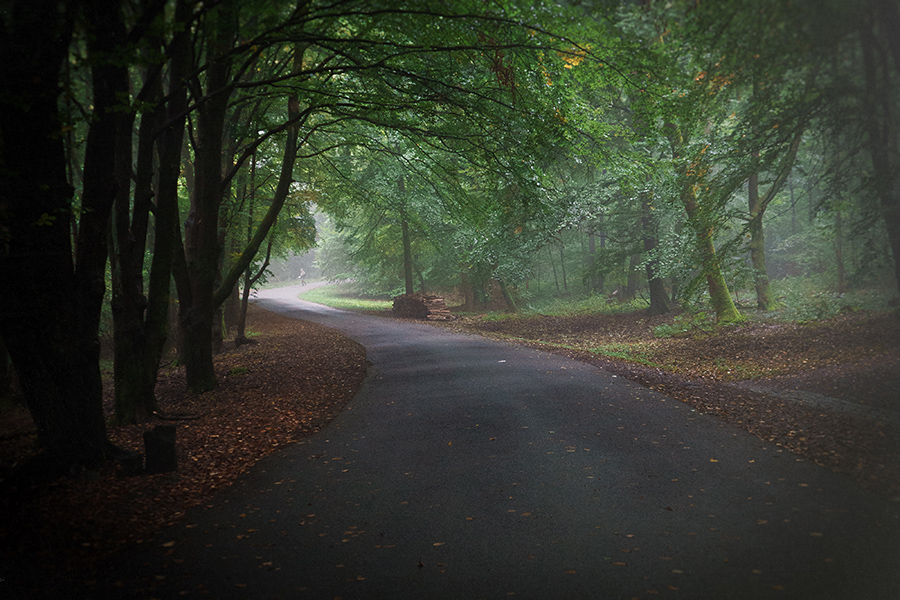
(469, 468)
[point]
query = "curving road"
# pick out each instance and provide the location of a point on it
(468, 468)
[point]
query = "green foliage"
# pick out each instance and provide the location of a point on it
(811, 298)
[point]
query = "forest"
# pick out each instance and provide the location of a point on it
(156, 156)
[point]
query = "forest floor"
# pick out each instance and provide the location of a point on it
(827, 391)
(292, 380)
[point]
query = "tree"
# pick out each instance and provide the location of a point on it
(756, 209)
(50, 316)
(141, 316)
(879, 24)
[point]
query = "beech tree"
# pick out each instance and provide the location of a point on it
(49, 317)
(141, 312)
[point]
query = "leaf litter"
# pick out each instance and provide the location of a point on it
(293, 381)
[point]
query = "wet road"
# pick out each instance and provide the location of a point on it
(468, 468)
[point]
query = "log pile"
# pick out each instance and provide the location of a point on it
(420, 306)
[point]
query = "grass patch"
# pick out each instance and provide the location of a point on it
(344, 297)
(238, 371)
(629, 351)
(556, 306)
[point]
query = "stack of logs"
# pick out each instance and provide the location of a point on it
(420, 306)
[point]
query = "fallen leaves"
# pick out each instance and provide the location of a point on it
(243, 420)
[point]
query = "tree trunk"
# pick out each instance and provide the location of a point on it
(591, 262)
(839, 251)
(51, 305)
(201, 244)
(407, 258)
(201, 247)
(507, 296)
(630, 291)
(757, 209)
(407, 244)
(880, 114)
(553, 266)
(141, 323)
(700, 223)
(134, 395)
(757, 244)
(596, 280)
(719, 295)
(468, 293)
(659, 300)
(249, 282)
(249, 278)
(562, 266)
(6, 374)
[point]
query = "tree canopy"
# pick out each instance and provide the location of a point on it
(677, 147)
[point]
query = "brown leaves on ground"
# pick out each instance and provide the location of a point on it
(854, 358)
(294, 380)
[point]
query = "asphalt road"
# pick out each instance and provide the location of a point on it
(468, 468)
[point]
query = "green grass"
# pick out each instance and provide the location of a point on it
(580, 305)
(342, 296)
(625, 351)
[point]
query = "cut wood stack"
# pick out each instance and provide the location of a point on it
(420, 306)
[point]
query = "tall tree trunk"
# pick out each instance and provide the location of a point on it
(595, 277)
(407, 244)
(700, 223)
(839, 251)
(6, 373)
(719, 295)
(553, 266)
(758, 244)
(407, 257)
(630, 291)
(249, 278)
(201, 244)
(591, 262)
(881, 50)
(51, 304)
(659, 300)
(141, 323)
(250, 196)
(201, 248)
(467, 291)
(507, 296)
(249, 281)
(129, 236)
(757, 208)
(562, 265)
